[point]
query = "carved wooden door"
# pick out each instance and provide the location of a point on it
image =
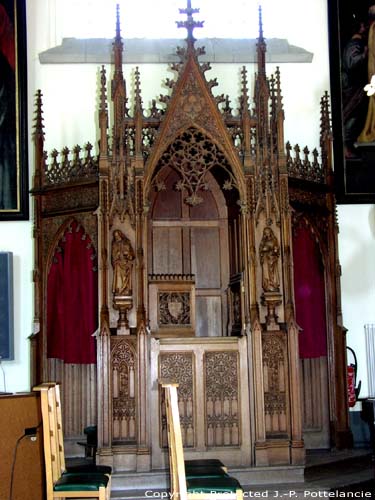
(213, 398)
(192, 239)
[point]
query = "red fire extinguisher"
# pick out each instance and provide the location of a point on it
(353, 391)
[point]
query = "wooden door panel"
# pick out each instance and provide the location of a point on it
(205, 255)
(208, 316)
(315, 402)
(167, 250)
(212, 398)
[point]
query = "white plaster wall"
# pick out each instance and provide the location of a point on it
(70, 90)
(15, 237)
(357, 257)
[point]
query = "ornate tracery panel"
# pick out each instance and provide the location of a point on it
(192, 155)
(212, 374)
(179, 366)
(123, 368)
(275, 383)
(222, 399)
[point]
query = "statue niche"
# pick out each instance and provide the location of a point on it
(269, 252)
(269, 256)
(122, 257)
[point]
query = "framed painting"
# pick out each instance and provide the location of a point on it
(352, 64)
(14, 197)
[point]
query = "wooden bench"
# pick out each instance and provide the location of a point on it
(199, 485)
(62, 483)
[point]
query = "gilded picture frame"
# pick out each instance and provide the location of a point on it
(14, 194)
(354, 158)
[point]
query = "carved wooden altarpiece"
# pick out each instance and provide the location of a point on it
(192, 207)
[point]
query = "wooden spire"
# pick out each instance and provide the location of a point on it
(118, 47)
(118, 87)
(261, 47)
(39, 140)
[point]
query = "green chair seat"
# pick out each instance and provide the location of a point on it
(89, 468)
(222, 484)
(195, 472)
(204, 462)
(81, 482)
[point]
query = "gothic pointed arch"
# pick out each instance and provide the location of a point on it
(192, 105)
(193, 155)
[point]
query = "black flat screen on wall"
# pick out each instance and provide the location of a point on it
(6, 306)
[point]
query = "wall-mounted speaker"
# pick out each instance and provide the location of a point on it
(6, 306)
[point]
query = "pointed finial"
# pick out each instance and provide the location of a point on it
(138, 98)
(118, 29)
(103, 89)
(245, 95)
(260, 22)
(261, 47)
(190, 22)
(39, 127)
(118, 47)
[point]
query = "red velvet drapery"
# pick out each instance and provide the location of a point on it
(72, 299)
(309, 294)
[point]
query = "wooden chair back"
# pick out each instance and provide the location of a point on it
(54, 452)
(211, 486)
(175, 447)
(50, 436)
(59, 427)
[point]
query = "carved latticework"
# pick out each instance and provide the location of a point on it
(304, 168)
(193, 155)
(174, 308)
(123, 368)
(275, 392)
(222, 399)
(179, 367)
(70, 167)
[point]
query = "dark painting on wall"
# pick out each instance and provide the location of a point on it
(352, 63)
(14, 199)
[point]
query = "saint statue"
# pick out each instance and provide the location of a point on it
(269, 252)
(122, 257)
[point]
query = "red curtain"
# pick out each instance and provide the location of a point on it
(309, 294)
(72, 299)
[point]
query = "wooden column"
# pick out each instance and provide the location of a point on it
(143, 444)
(104, 336)
(38, 338)
(261, 454)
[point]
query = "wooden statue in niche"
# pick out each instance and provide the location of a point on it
(269, 252)
(269, 256)
(122, 257)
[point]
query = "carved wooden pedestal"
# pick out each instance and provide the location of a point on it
(123, 303)
(272, 300)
